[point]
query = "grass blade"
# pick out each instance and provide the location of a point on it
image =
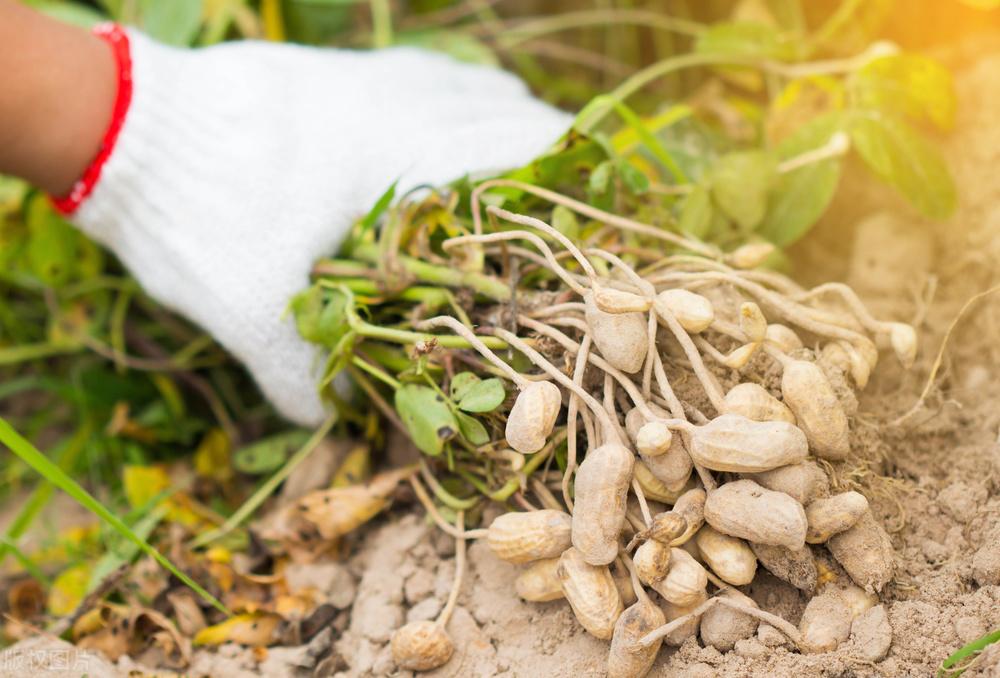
(950, 667)
(268, 487)
(30, 455)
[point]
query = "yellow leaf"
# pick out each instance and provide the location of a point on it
(246, 629)
(212, 458)
(143, 483)
(356, 467)
(68, 590)
(340, 510)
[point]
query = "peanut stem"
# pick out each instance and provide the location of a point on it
(456, 585)
(552, 262)
(571, 412)
(670, 627)
(478, 344)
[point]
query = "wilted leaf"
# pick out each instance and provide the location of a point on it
(427, 417)
(800, 196)
(900, 156)
(142, 484)
(483, 396)
(472, 429)
(245, 629)
(68, 590)
(907, 84)
(270, 453)
(740, 185)
(355, 468)
(212, 458)
(340, 510)
(696, 212)
(745, 39)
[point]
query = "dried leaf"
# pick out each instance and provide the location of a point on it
(245, 629)
(340, 510)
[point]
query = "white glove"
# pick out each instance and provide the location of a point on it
(239, 165)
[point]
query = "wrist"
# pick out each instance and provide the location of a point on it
(56, 113)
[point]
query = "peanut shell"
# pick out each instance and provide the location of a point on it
(421, 646)
(540, 582)
(728, 557)
(602, 483)
(833, 515)
(521, 537)
(755, 403)
(620, 337)
(627, 658)
(746, 510)
(591, 592)
(734, 443)
(807, 392)
(532, 417)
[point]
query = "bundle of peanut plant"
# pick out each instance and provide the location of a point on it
(551, 377)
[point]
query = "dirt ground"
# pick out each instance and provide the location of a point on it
(933, 478)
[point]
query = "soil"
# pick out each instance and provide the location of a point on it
(933, 478)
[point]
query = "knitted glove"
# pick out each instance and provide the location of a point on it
(229, 170)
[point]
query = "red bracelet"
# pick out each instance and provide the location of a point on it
(117, 39)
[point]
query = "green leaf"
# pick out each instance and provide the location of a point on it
(52, 245)
(696, 212)
(740, 184)
(911, 85)
(379, 208)
(564, 220)
(461, 383)
(55, 475)
(472, 429)
(900, 156)
(801, 196)
(461, 46)
(175, 22)
(270, 453)
(321, 315)
(484, 396)
(746, 39)
(427, 417)
(635, 181)
(600, 178)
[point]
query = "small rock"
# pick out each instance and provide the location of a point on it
(444, 545)
(374, 617)
(770, 636)
(425, 610)
(933, 551)
(418, 586)
(986, 562)
(961, 501)
(871, 634)
(283, 661)
(750, 647)
(969, 628)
